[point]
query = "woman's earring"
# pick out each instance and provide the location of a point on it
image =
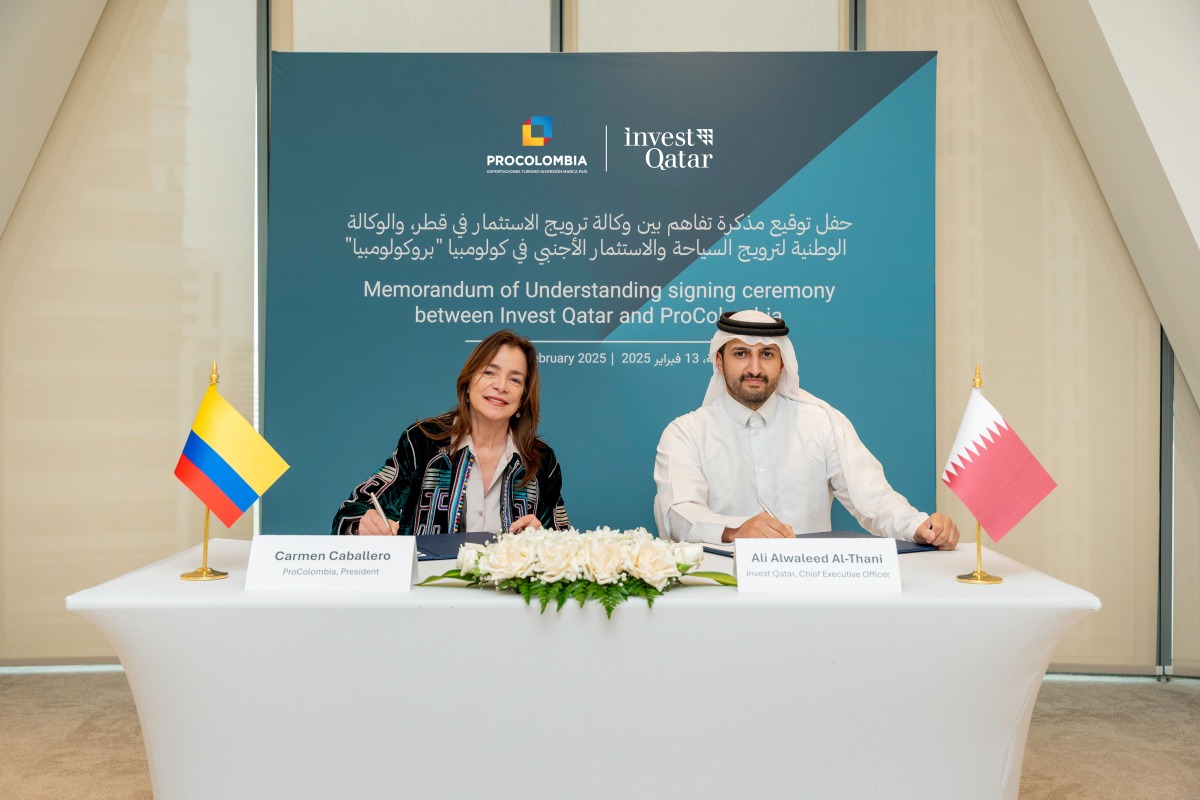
(518, 415)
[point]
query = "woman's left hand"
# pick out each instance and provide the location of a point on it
(527, 521)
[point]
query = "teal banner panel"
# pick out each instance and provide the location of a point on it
(609, 207)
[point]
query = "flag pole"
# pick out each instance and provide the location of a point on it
(978, 576)
(206, 573)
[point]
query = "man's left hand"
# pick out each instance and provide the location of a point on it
(939, 531)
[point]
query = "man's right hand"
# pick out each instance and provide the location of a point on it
(763, 526)
(372, 524)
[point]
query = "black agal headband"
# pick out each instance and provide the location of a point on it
(728, 324)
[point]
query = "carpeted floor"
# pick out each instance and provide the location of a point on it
(1113, 739)
(71, 735)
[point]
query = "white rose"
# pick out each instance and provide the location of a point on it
(688, 554)
(535, 536)
(640, 534)
(607, 559)
(561, 559)
(468, 558)
(509, 557)
(654, 562)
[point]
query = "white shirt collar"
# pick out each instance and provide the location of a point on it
(743, 415)
(510, 450)
(509, 446)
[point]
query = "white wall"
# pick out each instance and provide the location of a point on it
(126, 267)
(1127, 74)
(1034, 283)
(40, 47)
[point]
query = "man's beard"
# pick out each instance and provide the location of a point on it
(747, 396)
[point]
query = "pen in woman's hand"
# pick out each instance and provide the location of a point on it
(379, 510)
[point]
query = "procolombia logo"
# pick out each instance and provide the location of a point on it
(537, 132)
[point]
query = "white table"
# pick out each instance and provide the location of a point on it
(451, 692)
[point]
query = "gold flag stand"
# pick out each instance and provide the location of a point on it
(978, 576)
(206, 573)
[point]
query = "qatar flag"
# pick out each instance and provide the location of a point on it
(992, 471)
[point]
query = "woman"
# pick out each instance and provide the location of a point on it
(478, 467)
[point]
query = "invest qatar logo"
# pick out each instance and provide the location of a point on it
(536, 131)
(689, 148)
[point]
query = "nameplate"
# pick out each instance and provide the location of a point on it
(817, 565)
(332, 563)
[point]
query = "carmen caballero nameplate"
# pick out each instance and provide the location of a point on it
(817, 565)
(332, 563)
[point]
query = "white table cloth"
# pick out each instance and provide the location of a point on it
(452, 692)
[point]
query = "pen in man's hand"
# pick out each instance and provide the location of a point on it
(764, 508)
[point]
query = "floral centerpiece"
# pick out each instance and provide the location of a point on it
(604, 565)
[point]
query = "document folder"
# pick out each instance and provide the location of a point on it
(901, 545)
(444, 546)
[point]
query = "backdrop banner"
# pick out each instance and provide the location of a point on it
(610, 207)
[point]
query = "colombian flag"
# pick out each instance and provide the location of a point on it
(225, 462)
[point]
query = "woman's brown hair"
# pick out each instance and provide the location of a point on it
(455, 424)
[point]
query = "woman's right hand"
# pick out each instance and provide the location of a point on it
(524, 523)
(372, 524)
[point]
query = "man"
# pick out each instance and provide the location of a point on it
(763, 458)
